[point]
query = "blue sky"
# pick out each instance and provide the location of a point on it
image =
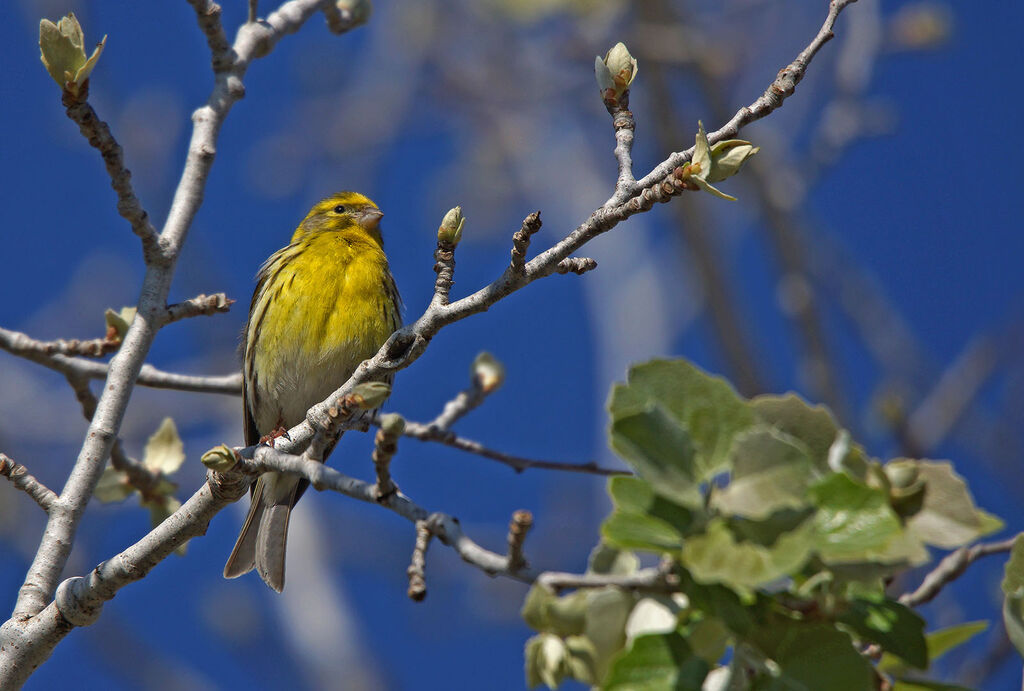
(422, 113)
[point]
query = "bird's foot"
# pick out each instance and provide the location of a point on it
(279, 432)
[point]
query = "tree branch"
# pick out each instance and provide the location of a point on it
(208, 14)
(428, 432)
(518, 527)
(417, 578)
(951, 568)
(777, 92)
(622, 122)
(98, 134)
(29, 348)
(19, 477)
(253, 40)
(200, 305)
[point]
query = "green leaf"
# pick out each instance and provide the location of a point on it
(545, 611)
(948, 517)
(61, 47)
(113, 486)
(582, 659)
(728, 157)
(709, 638)
(608, 560)
(939, 643)
(546, 661)
(942, 641)
(165, 451)
(708, 187)
(891, 625)
(707, 408)
(657, 663)
(653, 614)
(607, 612)
(717, 557)
(814, 656)
(638, 531)
(1013, 590)
(771, 471)
(925, 685)
(118, 322)
(701, 153)
(660, 450)
(812, 425)
(855, 523)
(643, 520)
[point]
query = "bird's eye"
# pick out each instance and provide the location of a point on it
(340, 209)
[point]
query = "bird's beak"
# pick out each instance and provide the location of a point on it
(370, 218)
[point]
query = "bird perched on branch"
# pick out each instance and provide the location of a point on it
(322, 305)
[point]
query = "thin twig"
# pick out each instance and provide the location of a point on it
(98, 134)
(521, 241)
(417, 579)
(93, 347)
(653, 579)
(576, 265)
(208, 14)
(777, 92)
(950, 568)
(385, 444)
(200, 305)
(444, 267)
(253, 11)
(36, 627)
(622, 121)
(19, 477)
(487, 375)
(423, 432)
(253, 40)
(25, 346)
(406, 345)
(518, 527)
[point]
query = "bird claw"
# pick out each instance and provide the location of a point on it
(279, 432)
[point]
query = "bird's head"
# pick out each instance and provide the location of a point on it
(340, 211)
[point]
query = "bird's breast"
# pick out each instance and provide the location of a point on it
(323, 312)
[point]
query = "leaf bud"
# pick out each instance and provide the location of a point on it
(62, 51)
(450, 231)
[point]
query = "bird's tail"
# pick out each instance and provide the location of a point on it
(264, 536)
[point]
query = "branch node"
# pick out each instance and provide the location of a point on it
(576, 265)
(19, 477)
(417, 580)
(385, 444)
(71, 606)
(519, 526)
(521, 242)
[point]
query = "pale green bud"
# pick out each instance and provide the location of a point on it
(118, 322)
(369, 395)
(393, 424)
(615, 72)
(358, 11)
(715, 164)
(219, 459)
(450, 231)
(62, 50)
(488, 372)
(728, 157)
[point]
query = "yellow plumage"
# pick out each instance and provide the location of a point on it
(322, 305)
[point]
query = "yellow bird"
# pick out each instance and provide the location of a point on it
(322, 305)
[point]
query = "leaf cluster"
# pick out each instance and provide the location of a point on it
(779, 533)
